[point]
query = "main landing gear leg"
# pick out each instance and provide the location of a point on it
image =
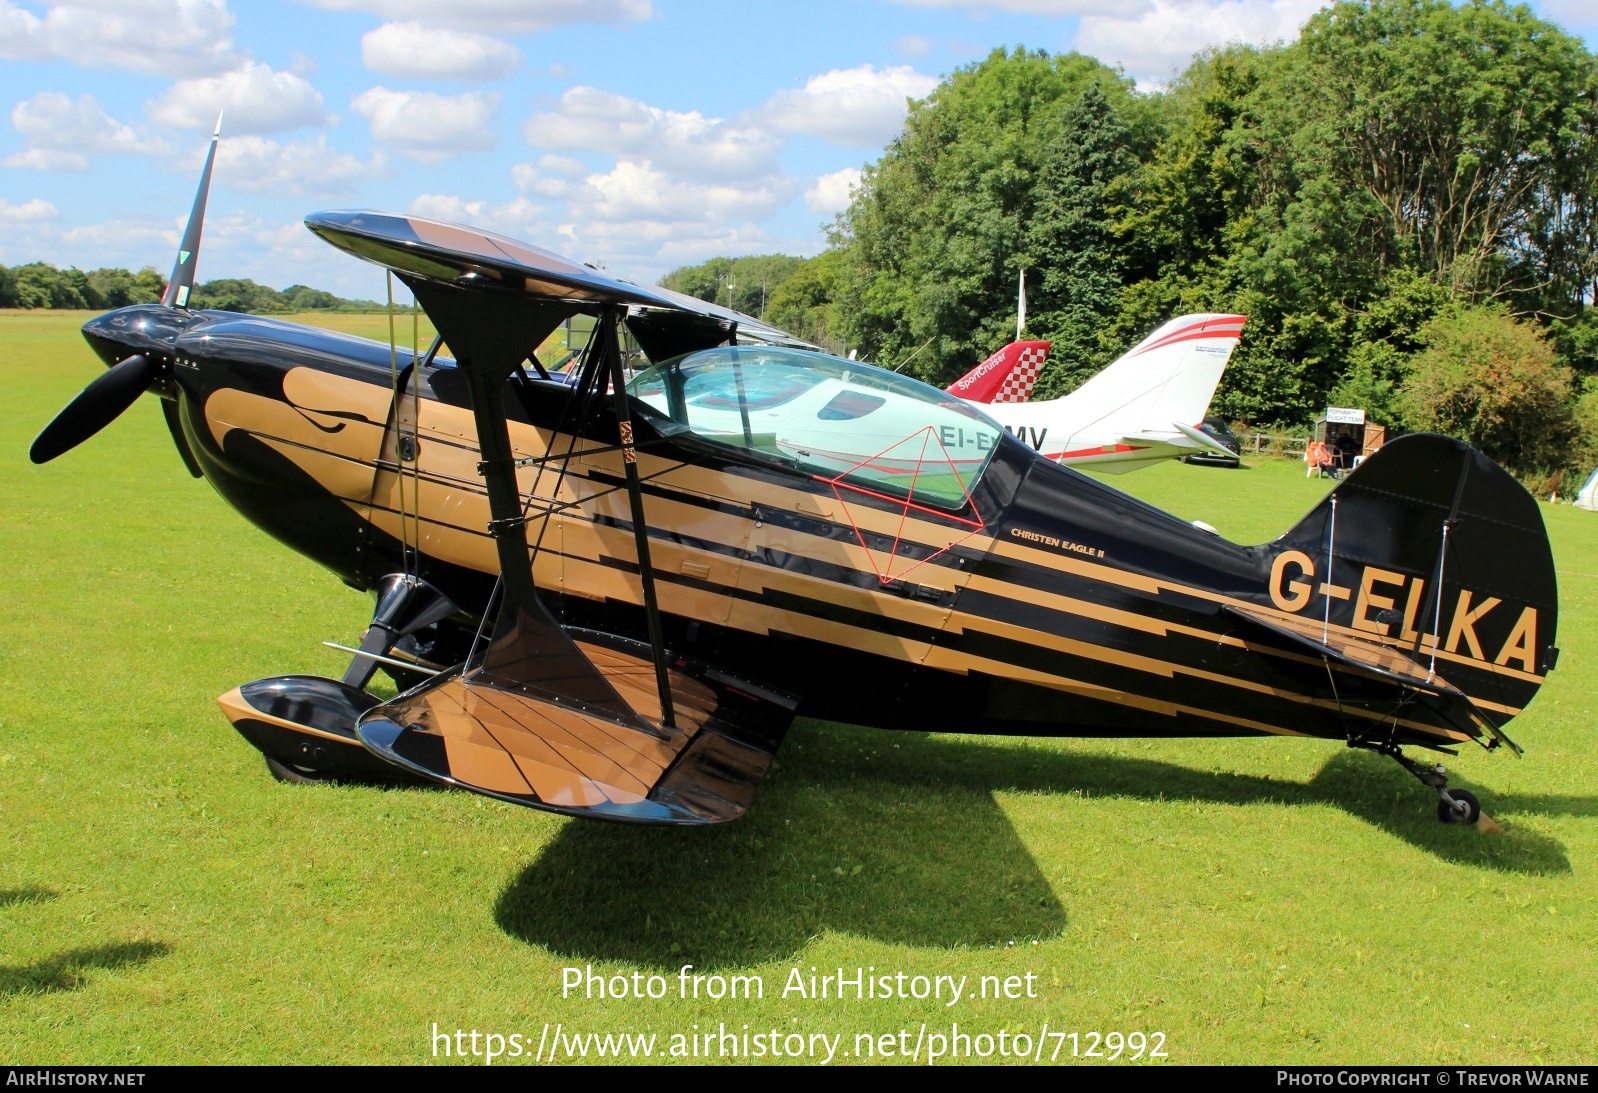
(1454, 806)
(404, 605)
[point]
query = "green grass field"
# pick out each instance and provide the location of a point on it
(163, 900)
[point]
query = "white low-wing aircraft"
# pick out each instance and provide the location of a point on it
(1141, 409)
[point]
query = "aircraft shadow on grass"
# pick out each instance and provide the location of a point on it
(10, 897)
(906, 845)
(68, 971)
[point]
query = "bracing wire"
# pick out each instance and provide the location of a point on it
(398, 403)
(415, 424)
(1331, 558)
(410, 512)
(472, 664)
(571, 443)
(1437, 596)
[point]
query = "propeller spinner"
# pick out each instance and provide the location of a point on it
(104, 400)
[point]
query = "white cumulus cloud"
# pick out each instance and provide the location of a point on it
(417, 51)
(155, 37)
(62, 132)
(27, 212)
(509, 17)
(53, 120)
(642, 221)
(46, 159)
(649, 250)
(298, 167)
(22, 35)
(591, 120)
(544, 181)
(636, 191)
(1156, 45)
(254, 97)
(427, 126)
(830, 193)
(858, 107)
(1055, 8)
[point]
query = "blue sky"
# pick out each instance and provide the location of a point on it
(643, 134)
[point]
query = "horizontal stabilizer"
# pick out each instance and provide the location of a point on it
(1378, 662)
(1363, 657)
(1206, 442)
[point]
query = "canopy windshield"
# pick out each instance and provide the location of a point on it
(835, 418)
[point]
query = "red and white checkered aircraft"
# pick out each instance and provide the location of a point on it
(1141, 409)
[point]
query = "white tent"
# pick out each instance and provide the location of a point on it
(1588, 497)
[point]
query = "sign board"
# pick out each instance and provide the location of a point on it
(1342, 416)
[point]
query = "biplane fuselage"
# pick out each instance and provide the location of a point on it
(1039, 602)
(610, 598)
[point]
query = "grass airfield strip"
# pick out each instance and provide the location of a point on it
(163, 900)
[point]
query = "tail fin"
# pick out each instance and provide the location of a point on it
(1168, 377)
(1427, 515)
(1007, 376)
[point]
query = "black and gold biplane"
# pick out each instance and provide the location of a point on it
(609, 596)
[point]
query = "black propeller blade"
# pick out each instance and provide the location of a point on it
(96, 406)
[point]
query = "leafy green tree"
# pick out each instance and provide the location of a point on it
(937, 232)
(1459, 124)
(1577, 340)
(305, 298)
(1071, 240)
(804, 304)
(236, 294)
(41, 285)
(1386, 335)
(704, 281)
(1495, 382)
(119, 288)
(744, 284)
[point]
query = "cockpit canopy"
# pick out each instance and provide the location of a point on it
(835, 418)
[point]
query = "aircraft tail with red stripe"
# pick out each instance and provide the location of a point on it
(1141, 409)
(1169, 376)
(1007, 376)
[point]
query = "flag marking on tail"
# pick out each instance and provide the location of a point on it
(1017, 386)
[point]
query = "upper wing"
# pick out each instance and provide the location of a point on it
(468, 257)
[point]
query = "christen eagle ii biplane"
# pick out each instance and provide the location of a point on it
(610, 598)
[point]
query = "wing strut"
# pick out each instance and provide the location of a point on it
(609, 321)
(489, 333)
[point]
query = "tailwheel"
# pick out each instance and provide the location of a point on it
(1458, 806)
(1454, 806)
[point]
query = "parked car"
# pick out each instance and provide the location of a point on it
(1217, 429)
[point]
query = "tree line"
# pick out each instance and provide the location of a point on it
(41, 285)
(1402, 201)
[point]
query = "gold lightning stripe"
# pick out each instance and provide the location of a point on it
(451, 493)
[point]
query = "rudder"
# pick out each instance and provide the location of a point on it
(1425, 512)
